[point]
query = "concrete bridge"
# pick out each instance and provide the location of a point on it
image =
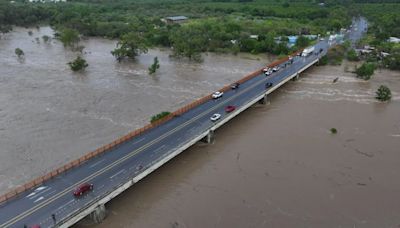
(48, 201)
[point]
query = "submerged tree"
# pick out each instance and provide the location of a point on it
(46, 38)
(78, 64)
(365, 71)
(383, 93)
(69, 37)
(19, 52)
(153, 68)
(130, 45)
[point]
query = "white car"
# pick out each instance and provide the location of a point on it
(266, 69)
(215, 117)
(267, 73)
(275, 69)
(217, 95)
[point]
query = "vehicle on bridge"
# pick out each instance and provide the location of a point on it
(276, 69)
(217, 95)
(82, 189)
(307, 51)
(235, 85)
(268, 85)
(230, 108)
(215, 117)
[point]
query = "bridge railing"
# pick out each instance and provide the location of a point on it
(40, 180)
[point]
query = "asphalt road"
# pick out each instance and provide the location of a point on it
(129, 159)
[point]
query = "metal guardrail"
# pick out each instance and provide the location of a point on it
(75, 163)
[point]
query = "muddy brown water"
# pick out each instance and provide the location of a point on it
(50, 115)
(275, 165)
(278, 165)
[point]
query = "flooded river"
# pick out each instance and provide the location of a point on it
(275, 165)
(278, 165)
(50, 115)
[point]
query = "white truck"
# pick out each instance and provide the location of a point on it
(307, 51)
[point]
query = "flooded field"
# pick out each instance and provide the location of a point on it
(50, 115)
(278, 165)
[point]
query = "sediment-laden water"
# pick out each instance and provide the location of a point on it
(50, 115)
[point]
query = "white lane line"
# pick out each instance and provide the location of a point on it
(35, 194)
(138, 141)
(93, 165)
(117, 174)
(40, 188)
(65, 204)
(38, 199)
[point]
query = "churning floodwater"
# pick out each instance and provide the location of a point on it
(50, 115)
(275, 165)
(278, 165)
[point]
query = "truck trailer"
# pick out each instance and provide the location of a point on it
(307, 51)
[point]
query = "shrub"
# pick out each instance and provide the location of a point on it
(383, 93)
(365, 71)
(352, 55)
(333, 130)
(19, 52)
(78, 64)
(159, 116)
(153, 68)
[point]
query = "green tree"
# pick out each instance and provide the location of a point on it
(352, 55)
(365, 71)
(130, 45)
(69, 37)
(383, 93)
(78, 64)
(302, 42)
(19, 52)
(189, 41)
(153, 68)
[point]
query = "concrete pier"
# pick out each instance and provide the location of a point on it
(99, 214)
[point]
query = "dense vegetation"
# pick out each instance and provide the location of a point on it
(214, 25)
(223, 26)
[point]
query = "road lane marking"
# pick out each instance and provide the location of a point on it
(38, 199)
(36, 194)
(131, 154)
(93, 165)
(117, 174)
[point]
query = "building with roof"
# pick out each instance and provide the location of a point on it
(174, 19)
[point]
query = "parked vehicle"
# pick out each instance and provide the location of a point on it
(268, 85)
(235, 85)
(275, 69)
(215, 117)
(307, 51)
(82, 189)
(230, 108)
(217, 95)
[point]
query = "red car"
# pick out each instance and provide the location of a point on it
(230, 108)
(82, 189)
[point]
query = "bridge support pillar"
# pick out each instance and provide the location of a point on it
(295, 78)
(99, 214)
(209, 138)
(263, 100)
